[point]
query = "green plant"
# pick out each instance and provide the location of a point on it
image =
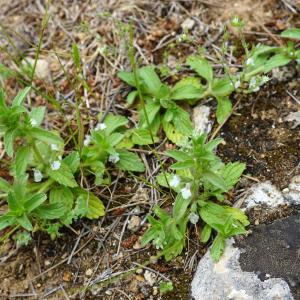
(39, 153)
(107, 143)
(161, 105)
(199, 178)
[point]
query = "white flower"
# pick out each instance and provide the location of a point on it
(250, 61)
(55, 165)
(175, 181)
(252, 83)
(100, 126)
(37, 175)
(186, 191)
(54, 147)
(87, 140)
(237, 84)
(194, 218)
(264, 79)
(114, 158)
(33, 122)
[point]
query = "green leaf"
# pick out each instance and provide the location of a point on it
(232, 172)
(161, 214)
(201, 66)
(151, 79)
(2, 99)
(129, 161)
(292, 33)
(34, 202)
(95, 207)
(63, 175)
(172, 134)
(183, 165)
(6, 221)
(152, 109)
(217, 248)
(149, 235)
(62, 195)
(131, 97)
(13, 203)
(161, 179)
(24, 222)
(72, 161)
(165, 287)
(4, 185)
(182, 121)
(127, 77)
(187, 88)
(224, 109)
(275, 61)
(21, 160)
(18, 100)
(38, 114)
(222, 87)
(50, 211)
(215, 180)
(179, 155)
(180, 207)
(9, 137)
(205, 234)
(46, 136)
(76, 55)
(113, 123)
(142, 136)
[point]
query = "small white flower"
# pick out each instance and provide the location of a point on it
(54, 147)
(33, 122)
(252, 83)
(237, 84)
(186, 191)
(264, 79)
(100, 126)
(37, 175)
(114, 158)
(87, 140)
(175, 181)
(250, 61)
(55, 165)
(194, 218)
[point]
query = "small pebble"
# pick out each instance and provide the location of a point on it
(188, 24)
(134, 223)
(150, 277)
(89, 272)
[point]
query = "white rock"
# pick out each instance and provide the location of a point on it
(150, 277)
(188, 24)
(200, 118)
(42, 69)
(225, 280)
(266, 194)
(293, 196)
(293, 117)
(134, 223)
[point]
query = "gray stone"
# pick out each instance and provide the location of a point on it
(266, 194)
(225, 280)
(265, 265)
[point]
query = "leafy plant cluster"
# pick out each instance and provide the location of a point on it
(198, 177)
(45, 194)
(162, 100)
(48, 185)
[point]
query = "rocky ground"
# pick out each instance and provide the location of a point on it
(94, 261)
